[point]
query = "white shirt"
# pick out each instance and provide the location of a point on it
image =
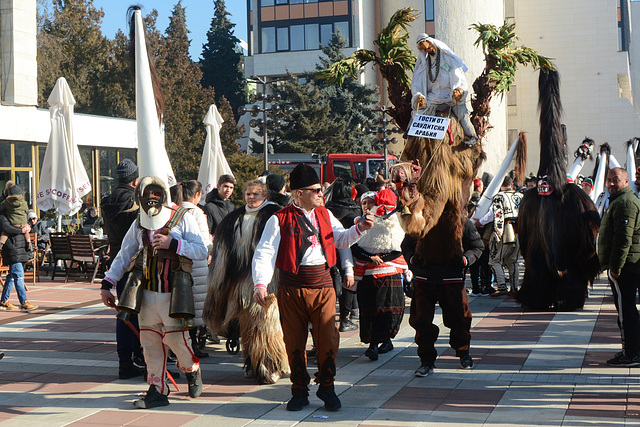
(440, 91)
(190, 245)
(264, 259)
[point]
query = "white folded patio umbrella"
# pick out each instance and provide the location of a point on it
(63, 178)
(213, 163)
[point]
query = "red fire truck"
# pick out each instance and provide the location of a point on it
(354, 167)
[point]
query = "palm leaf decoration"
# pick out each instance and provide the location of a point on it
(502, 58)
(394, 60)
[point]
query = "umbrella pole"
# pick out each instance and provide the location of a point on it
(59, 223)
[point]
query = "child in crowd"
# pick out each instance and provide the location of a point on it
(16, 209)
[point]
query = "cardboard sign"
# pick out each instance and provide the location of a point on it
(428, 126)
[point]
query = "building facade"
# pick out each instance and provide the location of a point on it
(286, 35)
(592, 43)
(25, 129)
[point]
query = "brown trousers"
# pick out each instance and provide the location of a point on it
(298, 307)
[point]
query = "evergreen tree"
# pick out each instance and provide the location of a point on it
(229, 132)
(325, 119)
(71, 45)
(221, 59)
(186, 101)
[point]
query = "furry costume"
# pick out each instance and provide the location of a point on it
(230, 293)
(558, 223)
(434, 184)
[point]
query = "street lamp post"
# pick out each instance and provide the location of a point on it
(272, 110)
(382, 132)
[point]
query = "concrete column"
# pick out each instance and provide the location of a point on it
(18, 50)
(452, 21)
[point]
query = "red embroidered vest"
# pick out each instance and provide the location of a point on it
(294, 237)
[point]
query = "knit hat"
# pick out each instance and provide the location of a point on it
(31, 214)
(126, 171)
(303, 176)
(588, 181)
(11, 189)
(368, 195)
(386, 200)
(275, 182)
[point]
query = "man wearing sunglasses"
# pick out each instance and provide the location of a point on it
(301, 241)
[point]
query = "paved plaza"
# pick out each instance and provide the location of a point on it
(531, 368)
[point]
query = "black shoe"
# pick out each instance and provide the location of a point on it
(129, 370)
(466, 362)
(372, 353)
(424, 370)
(622, 361)
(330, 399)
(195, 383)
(139, 360)
(153, 399)
(355, 315)
(297, 403)
(385, 347)
(347, 325)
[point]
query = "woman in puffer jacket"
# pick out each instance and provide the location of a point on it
(191, 193)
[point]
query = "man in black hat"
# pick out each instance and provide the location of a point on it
(301, 241)
(118, 214)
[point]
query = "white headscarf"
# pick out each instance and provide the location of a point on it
(457, 62)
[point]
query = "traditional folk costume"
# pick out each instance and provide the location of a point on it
(302, 245)
(159, 270)
(230, 293)
(558, 222)
(435, 77)
(380, 293)
(503, 244)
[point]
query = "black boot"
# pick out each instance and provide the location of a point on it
(328, 395)
(195, 383)
(385, 347)
(299, 400)
(372, 351)
(127, 370)
(153, 399)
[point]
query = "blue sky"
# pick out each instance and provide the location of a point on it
(199, 15)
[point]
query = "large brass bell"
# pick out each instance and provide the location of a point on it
(131, 297)
(182, 305)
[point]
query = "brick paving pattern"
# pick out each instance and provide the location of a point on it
(531, 368)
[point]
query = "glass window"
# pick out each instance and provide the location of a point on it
(283, 38)
(108, 164)
(281, 1)
(5, 154)
(311, 1)
(376, 165)
(23, 154)
(25, 180)
(128, 154)
(428, 10)
(296, 1)
(342, 169)
(4, 177)
(325, 34)
(359, 168)
(343, 27)
(264, 3)
(311, 37)
(297, 37)
(268, 40)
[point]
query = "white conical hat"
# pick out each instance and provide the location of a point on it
(152, 155)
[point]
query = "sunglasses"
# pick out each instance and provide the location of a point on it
(315, 190)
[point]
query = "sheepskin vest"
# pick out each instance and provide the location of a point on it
(295, 234)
